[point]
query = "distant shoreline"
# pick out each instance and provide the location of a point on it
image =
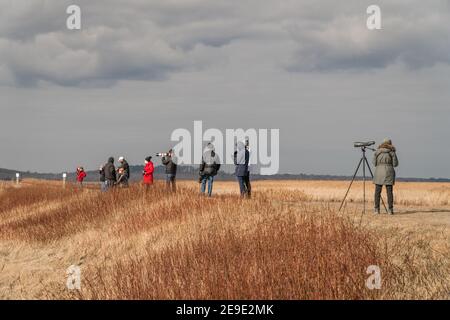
(190, 173)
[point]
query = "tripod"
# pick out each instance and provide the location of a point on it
(364, 163)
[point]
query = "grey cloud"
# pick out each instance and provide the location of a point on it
(150, 40)
(108, 48)
(414, 35)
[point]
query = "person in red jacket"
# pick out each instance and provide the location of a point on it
(148, 172)
(81, 174)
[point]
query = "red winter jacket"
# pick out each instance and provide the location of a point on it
(148, 173)
(81, 175)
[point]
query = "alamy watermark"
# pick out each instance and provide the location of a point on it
(73, 21)
(263, 146)
(374, 280)
(374, 19)
(73, 277)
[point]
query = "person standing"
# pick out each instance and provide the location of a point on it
(148, 172)
(247, 184)
(101, 171)
(171, 170)
(122, 181)
(241, 160)
(385, 160)
(110, 174)
(126, 170)
(208, 169)
(81, 174)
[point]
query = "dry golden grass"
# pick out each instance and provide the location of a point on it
(287, 242)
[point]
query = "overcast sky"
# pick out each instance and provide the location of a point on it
(138, 69)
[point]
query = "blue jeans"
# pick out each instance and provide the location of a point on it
(210, 180)
(244, 185)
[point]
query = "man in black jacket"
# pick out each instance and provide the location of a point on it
(241, 160)
(171, 170)
(208, 168)
(101, 171)
(110, 173)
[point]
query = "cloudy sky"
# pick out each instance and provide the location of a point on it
(138, 69)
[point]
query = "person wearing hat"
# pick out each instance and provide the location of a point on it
(385, 160)
(170, 161)
(126, 170)
(147, 173)
(110, 174)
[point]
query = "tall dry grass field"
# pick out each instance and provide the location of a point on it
(287, 242)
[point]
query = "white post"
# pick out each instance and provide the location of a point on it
(64, 176)
(17, 178)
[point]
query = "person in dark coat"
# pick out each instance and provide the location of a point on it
(110, 174)
(241, 161)
(208, 169)
(126, 168)
(171, 170)
(385, 160)
(122, 181)
(101, 171)
(247, 184)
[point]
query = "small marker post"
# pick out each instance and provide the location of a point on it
(64, 176)
(17, 178)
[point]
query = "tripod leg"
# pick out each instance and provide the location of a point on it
(371, 174)
(364, 184)
(353, 179)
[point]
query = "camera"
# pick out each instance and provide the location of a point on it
(162, 154)
(363, 144)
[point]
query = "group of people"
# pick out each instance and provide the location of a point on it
(384, 159)
(110, 176)
(211, 164)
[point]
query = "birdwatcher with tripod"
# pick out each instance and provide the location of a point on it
(385, 160)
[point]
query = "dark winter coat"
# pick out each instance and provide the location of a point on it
(210, 163)
(241, 160)
(171, 167)
(126, 168)
(102, 174)
(110, 170)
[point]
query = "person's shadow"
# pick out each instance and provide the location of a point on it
(423, 211)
